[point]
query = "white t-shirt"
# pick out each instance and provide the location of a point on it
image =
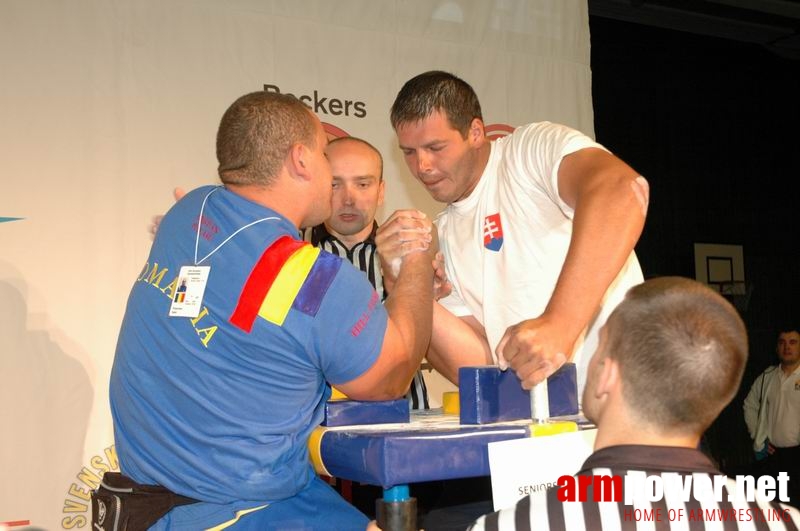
(504, 245)
(783, 400)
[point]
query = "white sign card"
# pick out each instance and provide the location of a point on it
(520, 467)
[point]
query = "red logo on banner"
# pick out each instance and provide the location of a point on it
(333, 131)
(495, 131)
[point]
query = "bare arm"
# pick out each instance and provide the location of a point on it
(407, 335)
(456, 342)
(610, 203)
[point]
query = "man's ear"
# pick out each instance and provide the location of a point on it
(299, 160)
(477, 132)
(608, 380)
(381, 191)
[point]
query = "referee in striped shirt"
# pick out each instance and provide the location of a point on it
(670, 358)
(358, 189)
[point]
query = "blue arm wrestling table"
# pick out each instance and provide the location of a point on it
(433, 445)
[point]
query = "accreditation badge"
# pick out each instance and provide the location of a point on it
(188, 297)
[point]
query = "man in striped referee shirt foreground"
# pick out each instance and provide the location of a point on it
(670, 358)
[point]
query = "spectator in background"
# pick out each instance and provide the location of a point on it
(772, 414)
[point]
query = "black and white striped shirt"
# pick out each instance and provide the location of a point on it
(364, 256)
(544, 511)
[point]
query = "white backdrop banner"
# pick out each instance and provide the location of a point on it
(106, 105)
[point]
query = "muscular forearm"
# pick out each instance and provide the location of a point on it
(455, 344)
(409, 303)
(609, 218)
(410, 313)
(407, 335)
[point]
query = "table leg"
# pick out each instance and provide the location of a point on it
(397, 511)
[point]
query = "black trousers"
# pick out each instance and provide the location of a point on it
(783, 460)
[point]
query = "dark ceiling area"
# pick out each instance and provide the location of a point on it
(701, 97)
(712, 123)
(773, 24)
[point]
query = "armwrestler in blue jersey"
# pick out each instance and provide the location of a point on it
(216, 402)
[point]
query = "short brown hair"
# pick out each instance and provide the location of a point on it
(257, 132)
(434, 91)
(681, 349)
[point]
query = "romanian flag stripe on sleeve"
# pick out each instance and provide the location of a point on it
(260, 281)
(317, 283)
(290, 273)
(290, 279)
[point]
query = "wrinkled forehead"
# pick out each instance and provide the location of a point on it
(353, 169)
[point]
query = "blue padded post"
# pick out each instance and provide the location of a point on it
(355, 412)
(487, 394)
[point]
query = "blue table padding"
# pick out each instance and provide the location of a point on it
(357, 412)
(487, 394)
(390, 458)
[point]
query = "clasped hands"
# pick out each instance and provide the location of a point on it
(403, 233)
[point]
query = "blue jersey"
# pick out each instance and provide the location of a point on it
(219, 407)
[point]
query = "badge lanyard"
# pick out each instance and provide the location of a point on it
(188, 298)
